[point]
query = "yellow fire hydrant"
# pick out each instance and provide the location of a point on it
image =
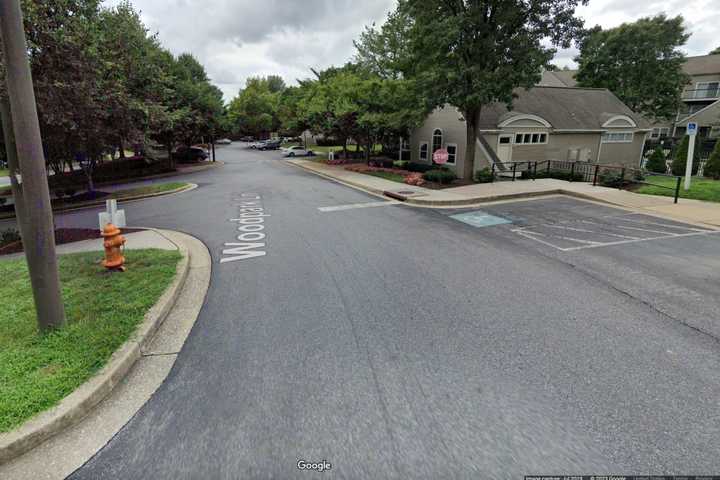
(113, 244)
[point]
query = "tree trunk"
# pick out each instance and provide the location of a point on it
(121, 149)
(171, 160)
(14, 168)
(345, 148)
(471, 119)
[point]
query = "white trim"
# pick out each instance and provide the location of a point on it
(632, 137)
(620, 117)
(420, 159)
(524, 116)
(432, 139)
(510, 145)
(697, 88)
(454, 162)
(523, 143)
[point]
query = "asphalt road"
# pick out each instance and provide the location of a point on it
(397, 342)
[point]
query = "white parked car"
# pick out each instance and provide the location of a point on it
(297, 151)
(223, 141)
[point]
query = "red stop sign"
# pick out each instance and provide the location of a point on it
(440, 156)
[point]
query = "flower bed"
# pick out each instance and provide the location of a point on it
(410, 178)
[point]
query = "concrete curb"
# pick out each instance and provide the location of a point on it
(98, 203)
(358, 186)
(79, 403)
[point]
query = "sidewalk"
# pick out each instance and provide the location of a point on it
(135, 241)
(687, 210)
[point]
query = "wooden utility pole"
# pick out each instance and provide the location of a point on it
(38, 231)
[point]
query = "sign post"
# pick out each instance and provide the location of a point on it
(691, 131)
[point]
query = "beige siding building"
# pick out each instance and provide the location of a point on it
(546, 123)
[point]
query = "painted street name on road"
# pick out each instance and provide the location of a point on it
(251, 240)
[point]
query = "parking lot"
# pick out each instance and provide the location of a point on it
(567, 224)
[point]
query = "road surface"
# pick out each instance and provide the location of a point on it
(398, 342)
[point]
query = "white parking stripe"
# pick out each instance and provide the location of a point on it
(352, 206)
(623, 242)
(679, 227)
(627, 237)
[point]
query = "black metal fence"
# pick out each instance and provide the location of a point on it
(605, 175)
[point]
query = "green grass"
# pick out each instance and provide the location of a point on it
(147, 190)
(103, 310)
(388, 176)
(700, 188)
(4, 172)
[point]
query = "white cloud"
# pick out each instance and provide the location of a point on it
(236, 39)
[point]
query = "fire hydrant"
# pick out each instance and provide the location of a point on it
(113, 244)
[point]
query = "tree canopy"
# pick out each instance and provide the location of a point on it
(639, 62)
(715, 52)
(102, 81)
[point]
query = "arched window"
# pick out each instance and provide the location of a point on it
(437, 140)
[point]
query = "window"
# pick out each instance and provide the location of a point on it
(617, 137)
(714, 132)
(423, 151)
(405, 145)
(504, 140)
(530, 138)
(437, 140)
(452, 153)
(707, 90)
(660, 132)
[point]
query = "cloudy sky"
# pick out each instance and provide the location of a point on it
(235, 39)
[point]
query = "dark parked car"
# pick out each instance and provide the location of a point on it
(190, 154)
(270, 145)
(247, 139)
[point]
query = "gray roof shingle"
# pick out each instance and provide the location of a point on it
(563, 107)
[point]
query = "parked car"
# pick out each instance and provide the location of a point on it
(190, 154)
(270, 145)
(247, 139)
(257, 144)
(223, 141)
(297, 151)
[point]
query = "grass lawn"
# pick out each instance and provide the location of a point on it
(700, 188)
(387, 176)
(147, 190)
(102, 309)
(4, 172)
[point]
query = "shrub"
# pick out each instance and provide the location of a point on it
(712, 166)
(484, 176)
(679, 163)
(439, 176)
(9, 236)
(400, 164)
(419, 167)
(657, 163)
(609, 178)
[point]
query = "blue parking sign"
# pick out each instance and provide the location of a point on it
(691, 128)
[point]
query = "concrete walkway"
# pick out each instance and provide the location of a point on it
(134, 241)
(687, 210)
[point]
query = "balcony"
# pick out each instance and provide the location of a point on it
(709, 92)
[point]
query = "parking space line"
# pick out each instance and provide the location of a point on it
(627, 237)
(623, 242)
(679, 227)
(647, 230)
(352, 206)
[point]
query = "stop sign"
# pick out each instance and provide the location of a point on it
(440, 156)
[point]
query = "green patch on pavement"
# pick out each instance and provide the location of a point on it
(4, 172)
(700, 188)
(102, 309)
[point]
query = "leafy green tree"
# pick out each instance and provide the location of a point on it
(712, 166)
(656, 163)
(679, 163)
(472, 54)
(255, 110)
(385, 51)
(639, 62)
(715, 52)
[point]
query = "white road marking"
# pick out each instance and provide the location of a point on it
(352, 206)
(627, 237)
(623, 242)
(667, 225)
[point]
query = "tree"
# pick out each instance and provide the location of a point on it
(657, 163)
(255, 110)
(712, 166)
(715, 52)
(639, 62)
(385, 52)
(679, 163)
(471, 54)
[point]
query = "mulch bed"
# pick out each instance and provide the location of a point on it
(64, 235)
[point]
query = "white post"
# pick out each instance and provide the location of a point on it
(691, 131)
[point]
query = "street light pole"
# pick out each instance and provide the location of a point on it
(39, 235)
